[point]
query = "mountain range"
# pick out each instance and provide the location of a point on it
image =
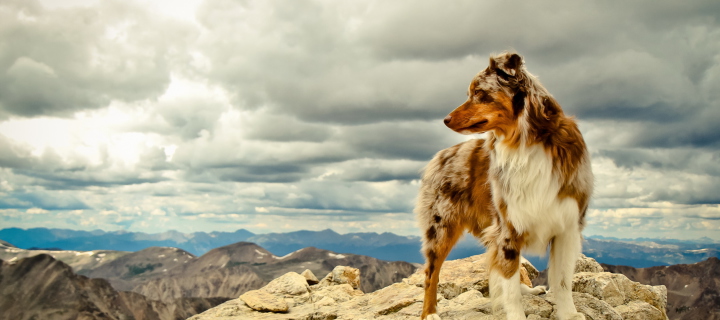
(158, 282)
(166, 273)
(639, 253)
(172, 283)
(693, 290)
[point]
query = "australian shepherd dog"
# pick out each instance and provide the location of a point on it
(524, 188)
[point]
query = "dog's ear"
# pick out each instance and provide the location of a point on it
(507, 64)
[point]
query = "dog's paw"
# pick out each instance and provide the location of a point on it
(434, 316)
(535, 290)
(573, 316)
(539, 290)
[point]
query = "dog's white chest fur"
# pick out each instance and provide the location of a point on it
(524, 179)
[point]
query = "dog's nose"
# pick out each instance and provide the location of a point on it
(447, 119)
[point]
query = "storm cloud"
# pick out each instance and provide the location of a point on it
(276, 115)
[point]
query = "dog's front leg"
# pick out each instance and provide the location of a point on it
(564, 251)
(506, 292)
(505, 288)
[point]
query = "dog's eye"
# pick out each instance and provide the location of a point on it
(477, 91)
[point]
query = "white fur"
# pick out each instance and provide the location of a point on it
(537, 290)
(507, 292)
(529, 187)
(524, 178)
(564, 253)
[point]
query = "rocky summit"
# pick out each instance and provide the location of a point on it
(463, 294)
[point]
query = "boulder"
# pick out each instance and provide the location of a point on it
(617, 290)
(342, 275)
(587, 264)
(290, 283)
(260, 300)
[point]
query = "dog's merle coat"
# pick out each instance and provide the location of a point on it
(523, 189)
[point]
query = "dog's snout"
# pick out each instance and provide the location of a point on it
(447, 119)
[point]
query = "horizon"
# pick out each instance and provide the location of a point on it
(271, 116)
(465, 235)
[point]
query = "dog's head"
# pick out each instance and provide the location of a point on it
(496, 97)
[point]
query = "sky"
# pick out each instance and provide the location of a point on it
(276, 116)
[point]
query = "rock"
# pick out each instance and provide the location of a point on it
(587, 264)
(290, 283)
(468, 297)
(263, 301)
(343, 275)
(325, 301)
(310, 277)
(536, 305)
(525, 277)
(462, 295)
(530, 269)
(617, 290)
(396, 305)
(339, 293)
(458, 276)
(640, 310)
(593, 308)
(393, 296)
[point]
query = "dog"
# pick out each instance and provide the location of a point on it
(525, 188)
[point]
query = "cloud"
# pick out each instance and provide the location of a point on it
(375, 170)
(399, 139)
(35, 200)
(315, 70)
(230, 114)
(36, 211)
(280, 127)
(62, 60)
(678, 222)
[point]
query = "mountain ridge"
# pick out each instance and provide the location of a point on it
(166, 274)
(642, 252)
(40, 287)
(693, 290)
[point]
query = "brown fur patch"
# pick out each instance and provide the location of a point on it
(452, 192)
(510, 254)
(483, 112)
(431, 257)
(431, 233)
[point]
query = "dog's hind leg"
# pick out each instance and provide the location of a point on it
(439, 238)
(564, 251)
